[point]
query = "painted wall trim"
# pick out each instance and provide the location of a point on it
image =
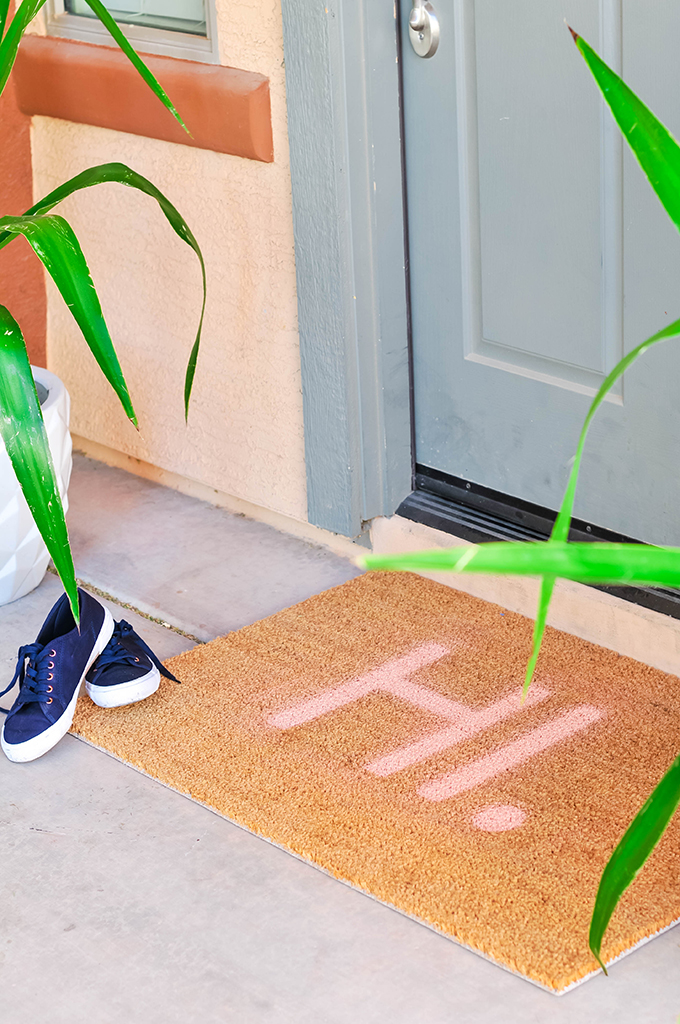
(226, 110)
(342, 86)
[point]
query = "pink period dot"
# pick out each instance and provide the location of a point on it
(499, 818)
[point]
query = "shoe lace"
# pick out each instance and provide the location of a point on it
(33, 673)
(116, 653)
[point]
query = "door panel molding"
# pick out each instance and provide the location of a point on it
(607, 325)
(344, 125)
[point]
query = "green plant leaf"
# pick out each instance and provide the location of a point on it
(10, 44)
(544, 599)
(659, 156)
(548, 558)
(560, 530)
(123, 175)
(630, 855)
(4, 11)
(110, 23)
(53, 240)
(28, 10)
(655, 148)
(23, 431)
(614, 564)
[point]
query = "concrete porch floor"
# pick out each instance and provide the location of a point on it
(123, 902)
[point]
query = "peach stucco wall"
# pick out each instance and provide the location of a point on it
(245, 435)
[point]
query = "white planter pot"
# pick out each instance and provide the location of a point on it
(23, 555)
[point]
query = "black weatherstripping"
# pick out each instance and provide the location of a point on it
(477, 514)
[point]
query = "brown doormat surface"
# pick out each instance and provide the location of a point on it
(376, 731)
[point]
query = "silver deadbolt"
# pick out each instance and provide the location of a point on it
(423, 28)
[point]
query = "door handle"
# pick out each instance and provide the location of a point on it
(423, 28)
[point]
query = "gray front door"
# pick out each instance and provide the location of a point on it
(539, 256)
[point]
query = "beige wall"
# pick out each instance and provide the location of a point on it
(245, 434)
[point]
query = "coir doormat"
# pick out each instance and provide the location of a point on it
(376, 731)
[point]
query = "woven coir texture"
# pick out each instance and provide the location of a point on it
(376, 731)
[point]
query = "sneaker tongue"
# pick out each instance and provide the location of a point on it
(59, 623)
(120, 661)
(128, 643)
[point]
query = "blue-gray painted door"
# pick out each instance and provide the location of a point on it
(539, 255)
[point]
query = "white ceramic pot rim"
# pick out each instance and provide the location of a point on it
(52, 383)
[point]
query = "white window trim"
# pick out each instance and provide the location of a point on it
(143, 38)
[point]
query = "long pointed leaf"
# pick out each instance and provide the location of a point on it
(23, 431)
(4, 11)
(659, 156)
(560, 530)
(53, 240)
(110, 23)
(470, 559)
(630, 855)
(544, 599)
(655, 148)
(28, 10)
(123, 175)
(614, 564)
(10, 44)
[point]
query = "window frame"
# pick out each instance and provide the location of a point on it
(163, 42)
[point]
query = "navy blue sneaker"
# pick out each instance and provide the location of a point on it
(126, 671)
(50, 673)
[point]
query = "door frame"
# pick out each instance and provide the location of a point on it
(349, 197)
(345, 135)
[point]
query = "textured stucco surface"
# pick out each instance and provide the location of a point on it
(245, 434)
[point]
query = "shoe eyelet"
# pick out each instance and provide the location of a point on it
(53, 654)
(49, 700)
(49, 689)
(50, 664)
(136, 659)
(50, 675)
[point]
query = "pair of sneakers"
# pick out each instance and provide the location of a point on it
(115, 664)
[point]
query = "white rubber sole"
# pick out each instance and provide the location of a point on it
(38, 745)
(120, 694)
